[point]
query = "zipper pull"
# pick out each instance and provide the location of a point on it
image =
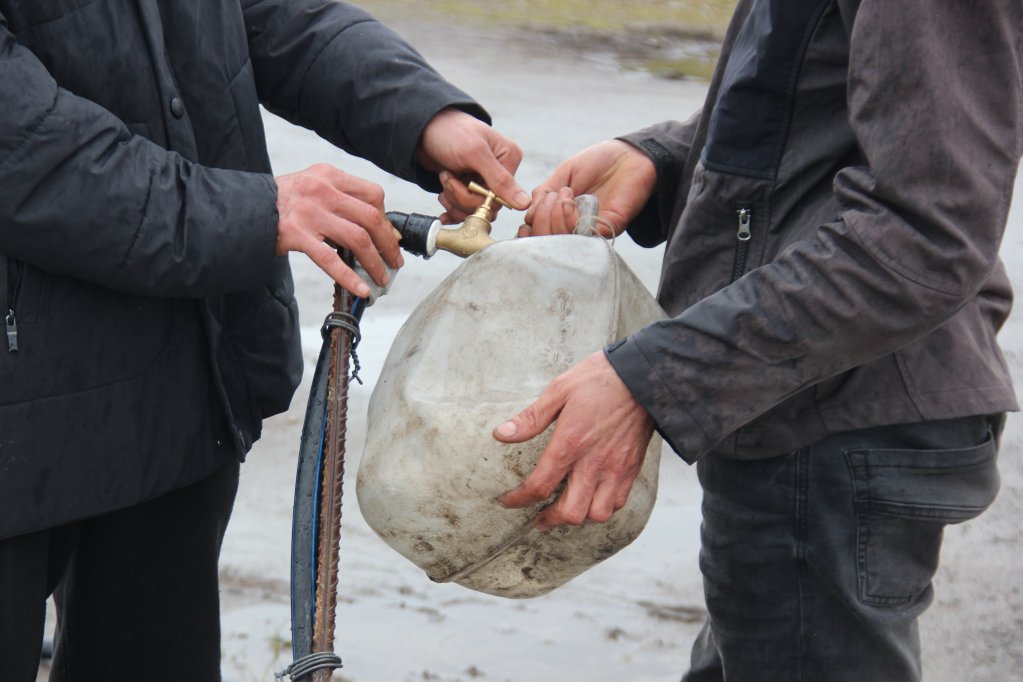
(11, 323)
(744, 218)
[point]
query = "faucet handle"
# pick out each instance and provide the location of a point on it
(490, 197)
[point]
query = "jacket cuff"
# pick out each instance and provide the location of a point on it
(678, 429)
(267, 236)
(650, 228)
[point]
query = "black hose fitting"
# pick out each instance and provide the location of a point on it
(415, 231)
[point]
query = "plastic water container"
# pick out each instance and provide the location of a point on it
(476, 351)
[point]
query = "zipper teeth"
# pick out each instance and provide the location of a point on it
(15, 287)
(742, 244)
(739, 265)
(11, 272)
(4, 267)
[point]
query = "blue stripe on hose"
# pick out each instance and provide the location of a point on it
(316, 518)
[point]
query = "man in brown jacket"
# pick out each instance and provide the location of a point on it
(832, 220)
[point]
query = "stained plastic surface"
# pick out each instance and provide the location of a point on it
(476, 351)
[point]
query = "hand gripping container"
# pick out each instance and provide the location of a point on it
(475, 352)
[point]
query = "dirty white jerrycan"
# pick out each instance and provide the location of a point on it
(476, 351)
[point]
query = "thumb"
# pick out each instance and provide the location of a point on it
(499, 178)
(502, 183)
(528, 423)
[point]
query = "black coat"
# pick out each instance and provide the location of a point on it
(155, 326)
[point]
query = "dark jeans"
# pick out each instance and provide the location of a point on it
(136, 591)
(817, 564)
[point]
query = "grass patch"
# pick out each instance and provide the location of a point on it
(675, 39)
(696, 68)
(699, 18)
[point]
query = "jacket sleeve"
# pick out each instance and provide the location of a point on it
(334, 69)
(80, 196)
(935, 103)
(668, 145)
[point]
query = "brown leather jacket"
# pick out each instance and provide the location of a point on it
(832, 219)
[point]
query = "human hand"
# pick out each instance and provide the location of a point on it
(454, 144)
(619, 175)
(322, 208)
(599, 444)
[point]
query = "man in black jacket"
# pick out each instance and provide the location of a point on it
(148, 310)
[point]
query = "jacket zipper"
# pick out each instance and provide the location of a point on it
(8, 296)
(743, 237)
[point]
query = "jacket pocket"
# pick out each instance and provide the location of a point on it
(903, 501)
(261, 333)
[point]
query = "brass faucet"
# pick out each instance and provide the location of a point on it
(474, 234)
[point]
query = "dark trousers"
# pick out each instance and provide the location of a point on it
(136, 591)
(817, 565)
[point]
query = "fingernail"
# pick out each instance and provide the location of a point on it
(522, 199)
(362, 291)
(507, 430)
(444, 177)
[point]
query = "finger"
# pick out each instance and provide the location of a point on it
(458, 194)
(550, 470)
(622, 496)
(573, 505)
(569, 211)
(605, 501)
(531, 421)
(562, 218)
(496, 175)
(537, 199)
(524, 231)
(327, 259)
(538, 486)
(359, 203)
(542, 219)
(557, 216)
(357, 240)
(452, 213)
(609, 224)
(364, 190)
(373, 222)
(445, 202)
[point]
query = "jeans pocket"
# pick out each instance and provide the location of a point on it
(903, 501)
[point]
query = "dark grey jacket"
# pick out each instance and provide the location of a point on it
(833, 218)
(155, 326)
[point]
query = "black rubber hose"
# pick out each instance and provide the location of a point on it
(414, 229)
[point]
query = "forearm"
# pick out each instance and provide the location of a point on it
(331, 67)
